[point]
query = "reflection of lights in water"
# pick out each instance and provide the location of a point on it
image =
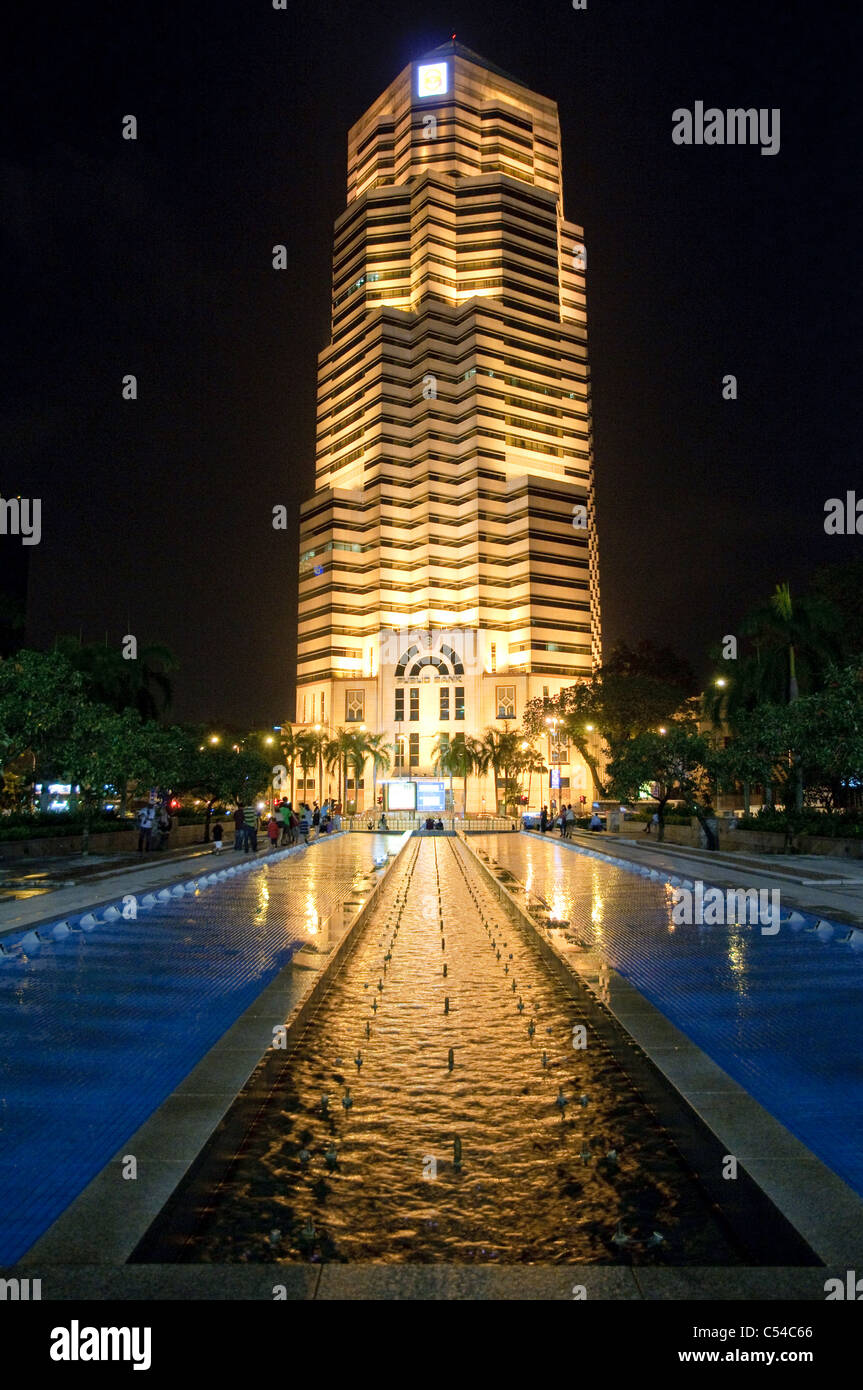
(597, 904)
(737, 957)
(312, 918)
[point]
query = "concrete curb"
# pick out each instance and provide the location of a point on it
(427, 1283)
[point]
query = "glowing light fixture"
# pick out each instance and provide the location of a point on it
(432, 80)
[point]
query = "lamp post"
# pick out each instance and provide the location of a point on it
(552, 721)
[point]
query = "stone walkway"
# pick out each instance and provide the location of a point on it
(113, 881)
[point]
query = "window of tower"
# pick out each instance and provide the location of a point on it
(414, 705)
(444, 704)
(506, 702)
(414, 750)
(400, 705)
(459, 702)
(355, 706)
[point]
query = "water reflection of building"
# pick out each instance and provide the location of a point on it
(449, 563)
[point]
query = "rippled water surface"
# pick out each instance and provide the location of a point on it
(782, 1014)
(559, 1159)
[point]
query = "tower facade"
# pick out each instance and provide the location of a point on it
(448, 558)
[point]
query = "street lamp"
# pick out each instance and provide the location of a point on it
(663, 731)
(214, 738)
(552, 721)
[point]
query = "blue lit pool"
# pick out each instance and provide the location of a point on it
(781, 1014)
(97, 1028)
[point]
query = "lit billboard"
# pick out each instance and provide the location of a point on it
(401, 796)
(431, 796)
(432, 80)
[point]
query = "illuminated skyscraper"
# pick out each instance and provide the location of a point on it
(448, 558)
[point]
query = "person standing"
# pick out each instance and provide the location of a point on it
(273, 828)
(239, 829)
(146, 817)
(217, 838)
(285, 817)
(164, 827)
(543, 820)
(316, 814)
(570, 822)
(250, 816)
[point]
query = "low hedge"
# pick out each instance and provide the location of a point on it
(52, 827)
(844, 825)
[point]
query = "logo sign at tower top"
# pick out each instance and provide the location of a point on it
(432, 80)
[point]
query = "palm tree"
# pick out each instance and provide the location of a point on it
(499, 750)
(140, 683)
(790, 644)
(355, 761)
(307, 752)
(340, 750)
(319, 741)
(290, 745)
(530, 761)
(375, 746)
(456, 758)
(446, 760)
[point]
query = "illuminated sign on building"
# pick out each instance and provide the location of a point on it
(432, 80)
(401, 796)
(431, 796)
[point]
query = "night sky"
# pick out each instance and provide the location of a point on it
(154, 257)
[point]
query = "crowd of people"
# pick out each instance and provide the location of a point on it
(155, 824)
(287, 825)
(564, 821)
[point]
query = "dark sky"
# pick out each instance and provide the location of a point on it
(154, 257)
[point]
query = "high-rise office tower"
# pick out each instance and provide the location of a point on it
(448, 558)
